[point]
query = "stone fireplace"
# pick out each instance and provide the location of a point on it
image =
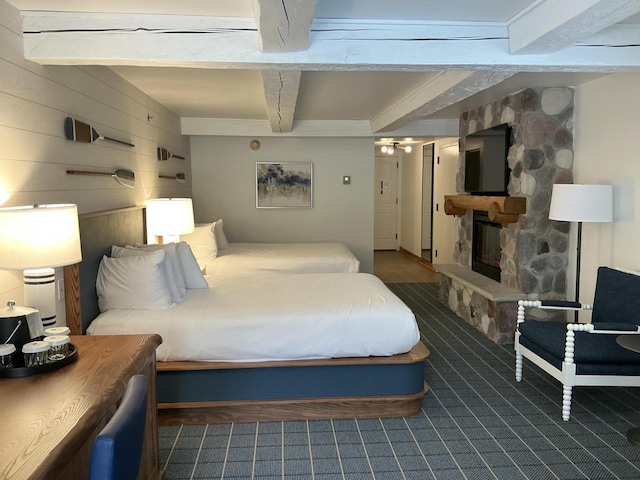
(532, 256)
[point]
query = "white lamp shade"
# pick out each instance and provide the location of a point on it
(39, 236)
(170, 216)
(581, 203)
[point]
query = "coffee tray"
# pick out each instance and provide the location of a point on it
(17, 372)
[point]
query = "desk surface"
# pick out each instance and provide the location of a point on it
(630, 342)
(45, 419)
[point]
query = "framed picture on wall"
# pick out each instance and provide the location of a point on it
(284, 185)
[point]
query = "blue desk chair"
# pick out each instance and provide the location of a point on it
(118, 447)
(585, 354)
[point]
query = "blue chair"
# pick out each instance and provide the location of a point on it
(585, 354)
(118, 447)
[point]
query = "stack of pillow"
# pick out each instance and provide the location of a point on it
(206, 241)
(143, 277)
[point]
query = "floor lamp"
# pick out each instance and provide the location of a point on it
(581, 203)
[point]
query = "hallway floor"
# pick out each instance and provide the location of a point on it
(392, 266)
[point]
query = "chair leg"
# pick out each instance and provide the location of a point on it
(518, 367)
(566, 403)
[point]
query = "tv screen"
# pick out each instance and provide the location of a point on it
(486, 171)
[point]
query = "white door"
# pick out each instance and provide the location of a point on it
(445, 226)
(385, 223)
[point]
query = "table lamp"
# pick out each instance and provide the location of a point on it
(36, 239)
(168, 218)
(581, 203)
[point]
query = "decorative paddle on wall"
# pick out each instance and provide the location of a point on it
(83, 132)
(123, 177)
(164, 154)
(180, 177)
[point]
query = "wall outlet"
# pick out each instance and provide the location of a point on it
(60, 290)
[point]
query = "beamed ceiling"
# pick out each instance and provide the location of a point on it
(334, 67)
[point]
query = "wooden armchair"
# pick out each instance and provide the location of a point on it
(585, 354)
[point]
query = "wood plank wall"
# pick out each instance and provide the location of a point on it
(34, 154)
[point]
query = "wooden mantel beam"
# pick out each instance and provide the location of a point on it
(212, 42)
(555, 24)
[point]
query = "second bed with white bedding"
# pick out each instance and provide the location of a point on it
(249, 258)
(267, 317)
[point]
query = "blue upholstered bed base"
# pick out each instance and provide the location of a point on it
(290, 382)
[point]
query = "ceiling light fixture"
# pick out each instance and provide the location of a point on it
(393, 146)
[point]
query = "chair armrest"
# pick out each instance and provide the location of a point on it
(560, 304)
(615, 327)
(550, 305)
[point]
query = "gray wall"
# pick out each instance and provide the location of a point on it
(224, 182)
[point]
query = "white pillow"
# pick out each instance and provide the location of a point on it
(192, 274)
(218, 233)
(166, 268)
(171, 254)
(202, 243)
(132, 283)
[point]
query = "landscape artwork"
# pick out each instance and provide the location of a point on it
(284, 185)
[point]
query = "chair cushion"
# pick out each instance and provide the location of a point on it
(616, 297)
(593, 352)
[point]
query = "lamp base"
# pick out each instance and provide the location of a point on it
(40, 293)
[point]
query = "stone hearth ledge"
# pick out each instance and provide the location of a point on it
(488, 288)
(484, 303)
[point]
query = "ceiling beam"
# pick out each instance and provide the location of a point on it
(555, 24)
(281, 94)
(440, 91)
(284, 26)
(210, 42)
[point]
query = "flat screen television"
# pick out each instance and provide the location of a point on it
(486, 170)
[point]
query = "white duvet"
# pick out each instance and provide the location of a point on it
(275, 317)
(248, 258)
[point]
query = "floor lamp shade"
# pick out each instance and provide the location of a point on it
(581, 203)
(37, 239)
(170, 217)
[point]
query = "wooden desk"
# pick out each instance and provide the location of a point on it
(48, 422)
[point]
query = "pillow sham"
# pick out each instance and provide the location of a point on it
(202, 242)
(172, 255)
(193, 277)
(132, 283)
(166, 268)
(218, 233)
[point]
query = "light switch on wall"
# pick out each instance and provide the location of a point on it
(346, 179)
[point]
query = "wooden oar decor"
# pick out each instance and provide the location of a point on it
(164, 154)
(83, 132)
(123, 177)
(180, 177)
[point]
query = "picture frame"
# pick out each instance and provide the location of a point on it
(284, 185)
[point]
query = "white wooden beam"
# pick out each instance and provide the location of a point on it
(281, 94)
(440, 91)
(554, 24)
(206, 42)
(283, 26)
(261, 128)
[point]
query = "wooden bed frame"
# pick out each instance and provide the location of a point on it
(220, 392)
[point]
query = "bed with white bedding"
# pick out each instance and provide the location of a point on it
(274, 317)
(249, 258)
(216, 255)
(363, 378)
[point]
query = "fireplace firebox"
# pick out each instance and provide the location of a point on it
(485, 251)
